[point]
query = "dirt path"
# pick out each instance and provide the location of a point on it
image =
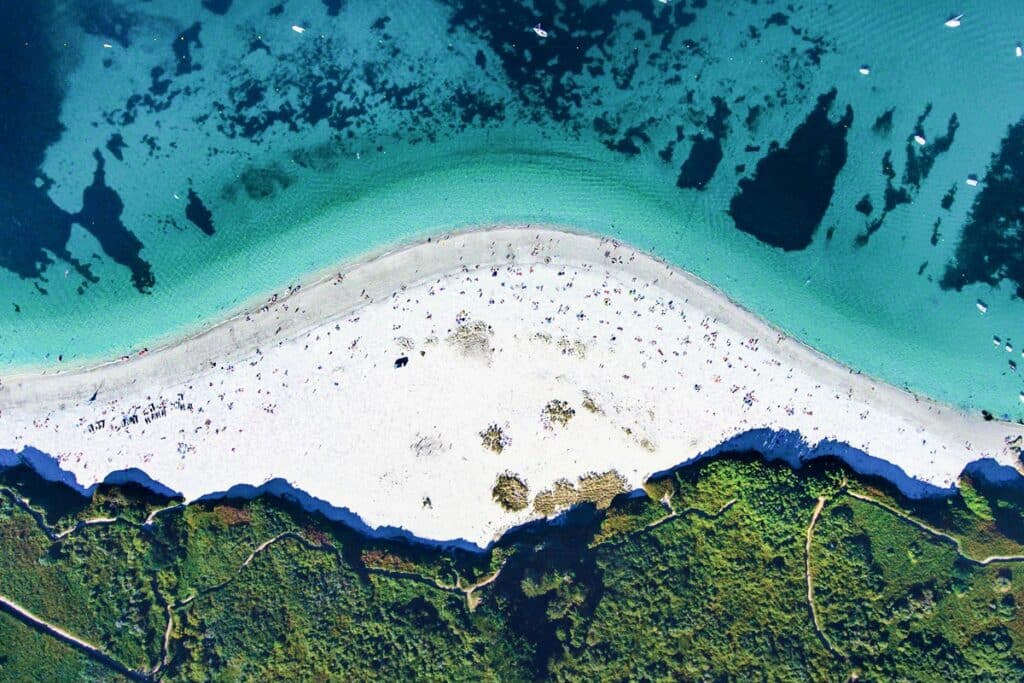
(467, 591)
(699, 512)
(45, 627)
(152, 515)
(51, 531)
(809, 575)
(936, 532)
(165, 646)
(473, 600)
(85, 523)
(55, 536)
(432, 582)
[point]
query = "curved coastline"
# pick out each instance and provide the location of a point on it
(365, 285)
(232, 323)
(258, 303)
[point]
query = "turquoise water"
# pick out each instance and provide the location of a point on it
(361, 132)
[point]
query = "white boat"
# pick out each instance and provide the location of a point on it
(107, 45)
(919, 139)
(996, 341)
(540, 32)
(954, 22)
(1019, 50)
(864, 70)
(972, 180)
(298, 29)
(1022, 397)
(1009, 347)
(982, 306)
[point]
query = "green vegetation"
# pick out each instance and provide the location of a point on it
(732, 569)
(975, 503)
(29, 656)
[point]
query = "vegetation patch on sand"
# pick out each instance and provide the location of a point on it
(511, 493)
(599, 489)
(473, 339)
(495, 439)
(572, 347)
(567, 347)
(427, 445)
(590, 404)
(556, 412)
(643, 441)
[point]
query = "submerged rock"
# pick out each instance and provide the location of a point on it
(784, 202)
(991, 247)
(197, 213)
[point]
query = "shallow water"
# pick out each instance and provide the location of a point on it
(208, 157)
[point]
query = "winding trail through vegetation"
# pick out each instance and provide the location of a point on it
(470, 592)
(88, 522)
(165, 646)
(152, 515)
(935, 532)
(293, 535)
(672, 515)
(45, 627)
(809, 575)
(466, 591)
(699, 512)
(51, 531)
(472, 600)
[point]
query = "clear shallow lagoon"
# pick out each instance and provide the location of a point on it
(212, 154)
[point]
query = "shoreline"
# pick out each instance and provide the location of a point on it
(259, 303)
(322, 277)
(250, 306)
(271, 394)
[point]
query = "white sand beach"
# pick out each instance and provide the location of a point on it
(657, 366)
